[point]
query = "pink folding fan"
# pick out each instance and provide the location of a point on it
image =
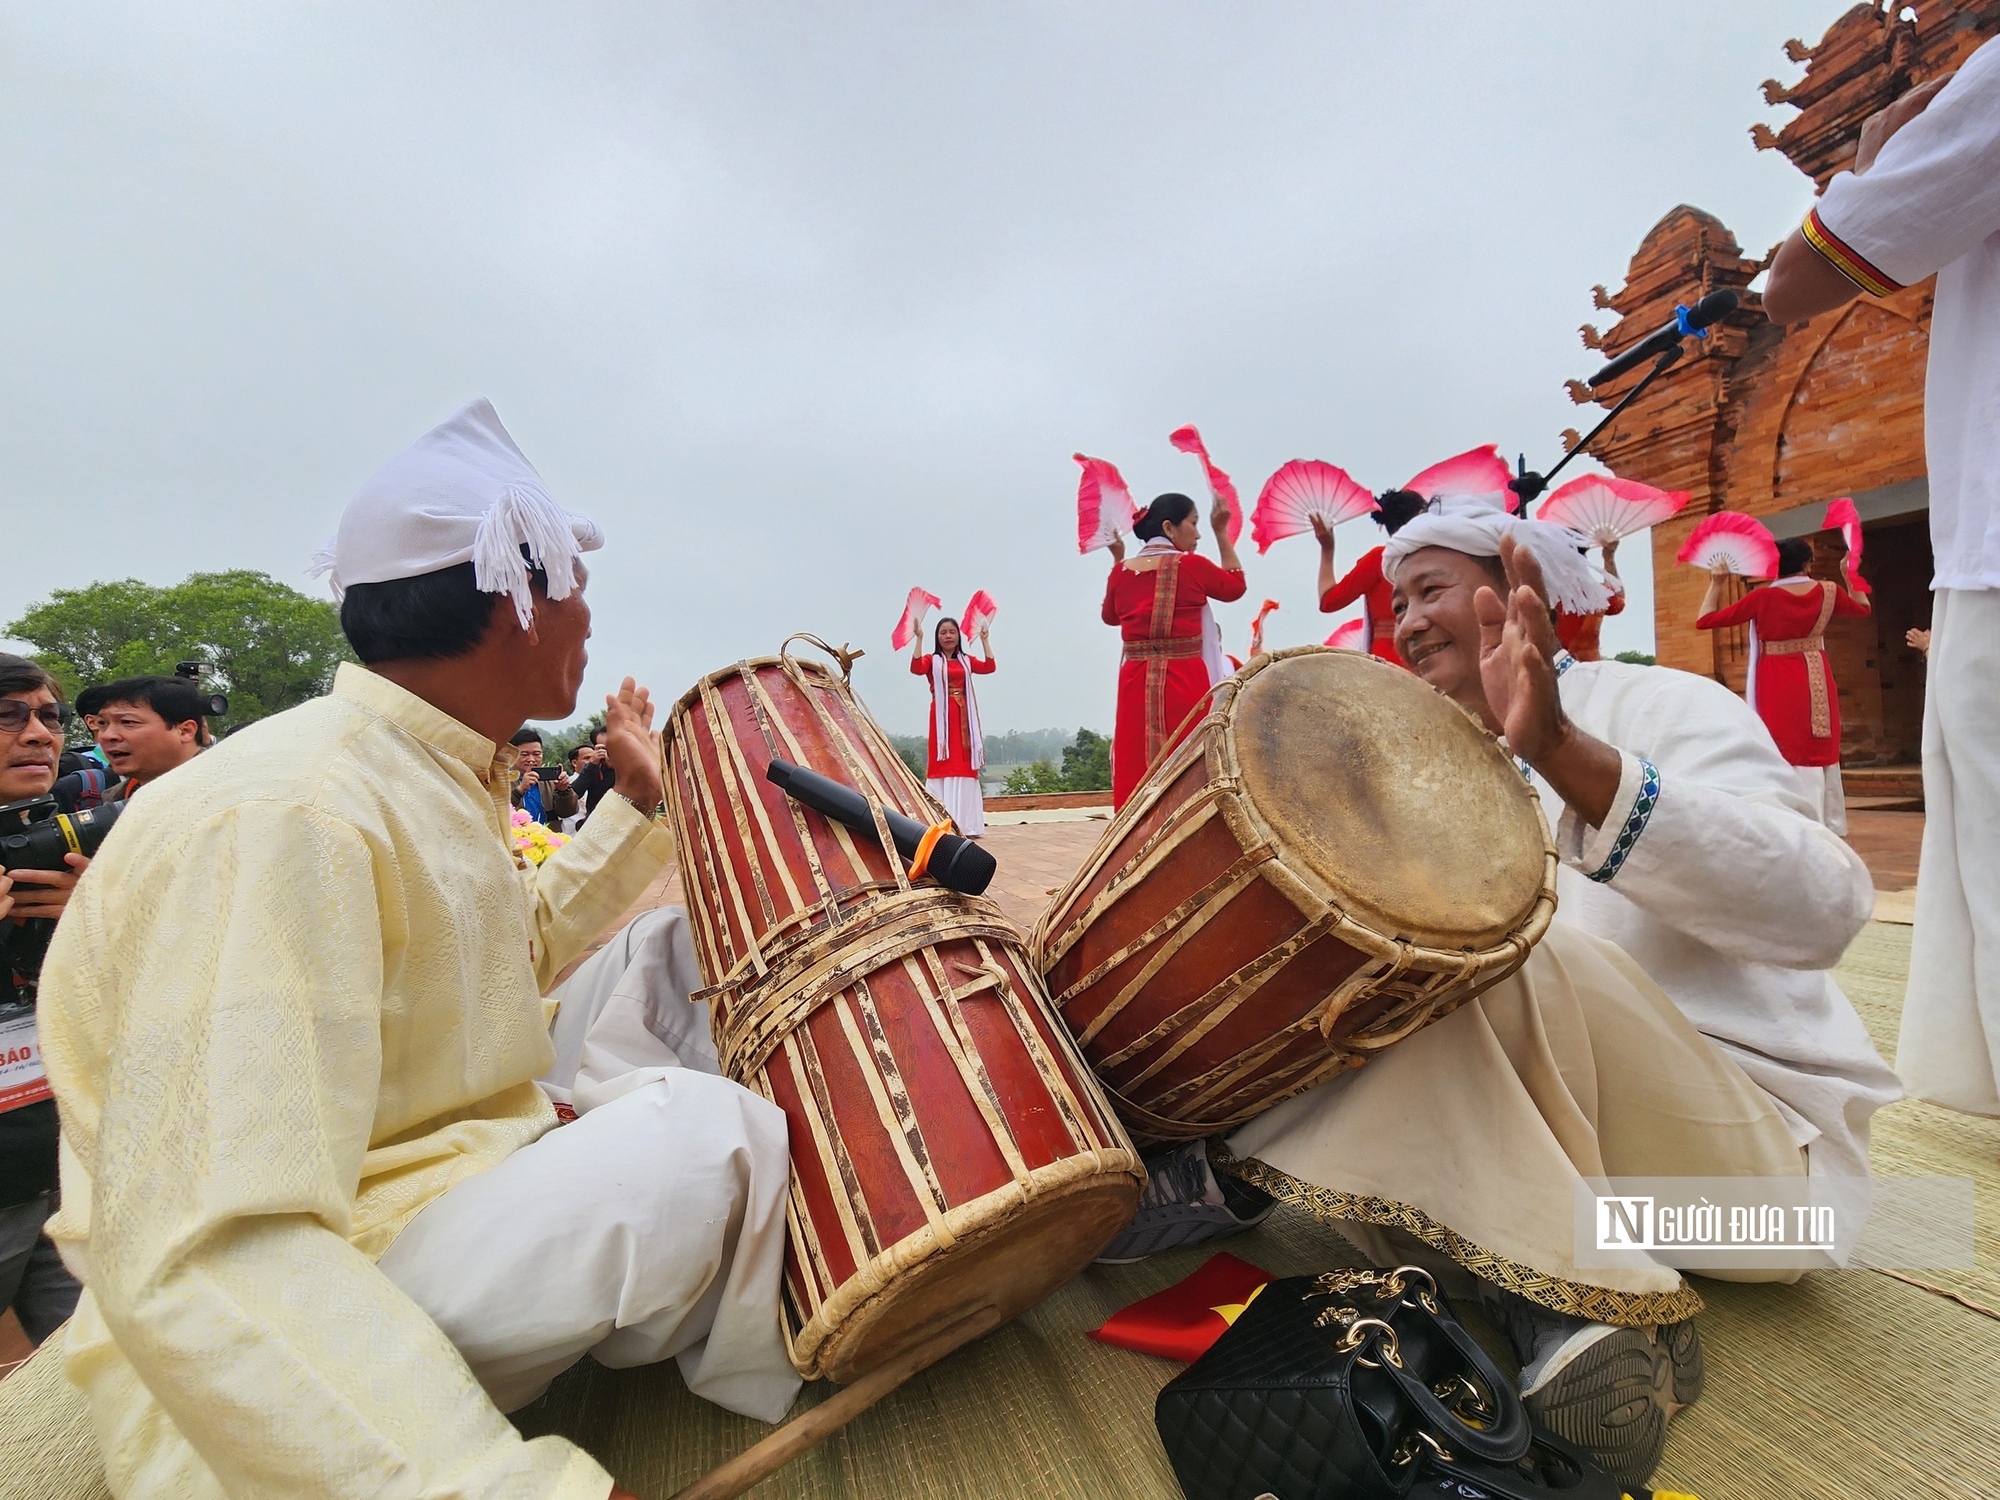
(979, 612)
(1302, 489)
(911, 625)
(1605, 510)
(1220, 485)
(1735, 541)
(1103, 504)
(1479, 472)
(1349, 636)
(1841, 515)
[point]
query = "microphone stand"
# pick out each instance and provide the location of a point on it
(1530, 485)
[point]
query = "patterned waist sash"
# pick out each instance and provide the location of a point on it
(1813, 649)
(1174, 648)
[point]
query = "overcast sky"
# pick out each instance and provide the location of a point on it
(807, 304)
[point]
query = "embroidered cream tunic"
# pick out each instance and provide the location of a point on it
(296, 998)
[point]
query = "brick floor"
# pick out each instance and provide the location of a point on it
(1035, 859)
(1888, 843)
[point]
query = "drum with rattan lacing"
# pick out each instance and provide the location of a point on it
(952, 1158)
(1334, 857)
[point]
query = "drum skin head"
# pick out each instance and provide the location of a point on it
(1386, 795)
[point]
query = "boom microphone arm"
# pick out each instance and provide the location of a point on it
(1664, 349)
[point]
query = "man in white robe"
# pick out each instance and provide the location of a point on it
(1923, 197)
(329, 1223)
(1677, 1020)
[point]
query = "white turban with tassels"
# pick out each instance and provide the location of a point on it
(1475, 525)
(460, 493)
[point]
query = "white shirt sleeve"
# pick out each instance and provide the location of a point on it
(1710, 835)
(1932, 195)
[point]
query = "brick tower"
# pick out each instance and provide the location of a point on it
(1778, 421)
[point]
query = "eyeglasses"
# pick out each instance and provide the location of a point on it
(14, 715)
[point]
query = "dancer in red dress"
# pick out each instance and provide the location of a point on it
(957, 749)
(1173, 650)
(1579, 634)
(1790, 684)
(1364, 581)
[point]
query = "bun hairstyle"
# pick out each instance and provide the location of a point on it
(1795, 555)
(1166, 510)
(1398, 508)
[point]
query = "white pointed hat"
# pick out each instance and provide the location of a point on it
(463, 492)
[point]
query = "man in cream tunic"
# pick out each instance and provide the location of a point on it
(325, 1222)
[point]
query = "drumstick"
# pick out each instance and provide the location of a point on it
(809, 1429)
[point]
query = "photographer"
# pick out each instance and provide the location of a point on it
(595, 776)
(32, 1279)
(146, 726)
(545, 798)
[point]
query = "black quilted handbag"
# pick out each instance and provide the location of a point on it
(1331, 1387)
(1551, 1469)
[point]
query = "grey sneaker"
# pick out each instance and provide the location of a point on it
(1186, 1204)
(1611, 1391)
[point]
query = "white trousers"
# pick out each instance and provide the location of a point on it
(652, 1225)
(1470, 1135)
(963, 800)
(1826, 792)
(1949, 1051)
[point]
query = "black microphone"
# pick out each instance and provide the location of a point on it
(956, 863)
(1687, 320)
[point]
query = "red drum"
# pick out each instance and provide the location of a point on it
(1336, 856)
(951, 1153)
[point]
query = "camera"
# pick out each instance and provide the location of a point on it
(213, 705)
(35, 835)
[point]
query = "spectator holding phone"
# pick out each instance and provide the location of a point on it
(547, 799)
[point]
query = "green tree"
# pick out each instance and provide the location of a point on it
(557, 743)
(265, 644)
(1087, 763)
(1086, 767)
(915, 751)
(1636, 658)
(1034, 780)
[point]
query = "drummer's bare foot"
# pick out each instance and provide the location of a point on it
(1186, 1204)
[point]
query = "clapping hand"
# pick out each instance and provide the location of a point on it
(1517, 656)
(631, 748)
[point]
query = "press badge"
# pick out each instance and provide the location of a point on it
(22, 1080)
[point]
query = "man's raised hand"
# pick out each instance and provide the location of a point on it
(1517, 652)
(631, 748)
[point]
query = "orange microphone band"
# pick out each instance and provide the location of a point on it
(925, 846)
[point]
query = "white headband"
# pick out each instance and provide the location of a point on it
(1475, 527)
(463, 492)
